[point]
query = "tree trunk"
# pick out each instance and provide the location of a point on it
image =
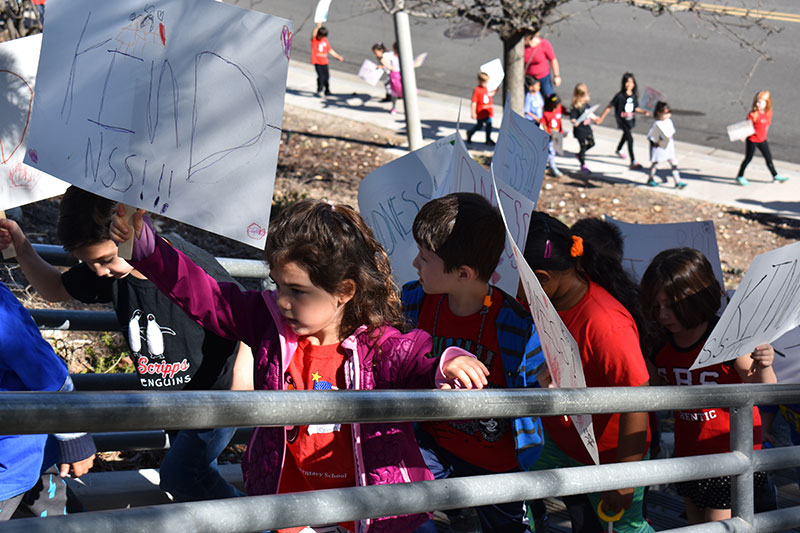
(514, 82)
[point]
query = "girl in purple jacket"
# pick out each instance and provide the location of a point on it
(334, 322)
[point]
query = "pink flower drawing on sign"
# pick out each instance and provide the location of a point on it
(256, 232)
(286, 40)
(23, 177)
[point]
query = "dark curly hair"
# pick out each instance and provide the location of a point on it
(333, 244)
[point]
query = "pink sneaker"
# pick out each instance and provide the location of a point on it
(393, 111)
(621, 155)
(585, 169)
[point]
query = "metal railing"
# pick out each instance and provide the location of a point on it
(94, 411)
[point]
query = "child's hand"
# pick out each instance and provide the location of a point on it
(10, 234)
(596, 120)
(762, 356)
(587, 122)
(76, 469)
(119, 230)
(545, 379)
(470, 372)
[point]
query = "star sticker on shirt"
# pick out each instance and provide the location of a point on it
(316, 377)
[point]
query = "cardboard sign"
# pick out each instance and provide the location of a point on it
(19, 183)
(390, 197)
(560, 349)
(588, 113)
(520, 156)
(644, 241)
(741, 130)
(175, 108)
(370, 72)
(787, 357)
(494, 69)
(321, 13)
(650, 98)
(765, 306)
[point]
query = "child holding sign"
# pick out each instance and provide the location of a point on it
(583, 129)
(455, 303)
(608, 340)
(320, 48)
(332, 323)
(662, 144)
(680, 292)
(761, 117)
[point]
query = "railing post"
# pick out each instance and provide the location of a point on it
(742, 442)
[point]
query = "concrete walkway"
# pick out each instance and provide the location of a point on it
(709, 172)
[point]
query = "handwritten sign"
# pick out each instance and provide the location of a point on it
(173, 107)
(19, 183)
(741, 130)
(494, 69)
(644, 241)
(520, 156)
(787, 357)
(650, 98)
(560, 349)
(370, 72)
(765, 306)
(390, 197)
(466, 175)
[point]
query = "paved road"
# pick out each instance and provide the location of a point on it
(704, 78)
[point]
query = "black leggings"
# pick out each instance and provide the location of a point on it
(585, 143)
(627, 137)
(323, 77)
(750, 149)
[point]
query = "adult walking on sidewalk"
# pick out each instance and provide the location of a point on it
(539, 60)
(761, 117)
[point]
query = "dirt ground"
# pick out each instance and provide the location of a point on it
(322, 156)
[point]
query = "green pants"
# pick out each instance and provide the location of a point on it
(631, 522)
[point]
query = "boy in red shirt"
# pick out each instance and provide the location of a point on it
(320, 48)
(482, 109)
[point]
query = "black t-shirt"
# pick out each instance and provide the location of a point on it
(169, 349)
(580, 130)
(625, 108)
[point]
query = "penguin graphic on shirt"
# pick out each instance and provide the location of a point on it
(153, 335)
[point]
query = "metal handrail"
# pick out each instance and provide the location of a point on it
(59, 412)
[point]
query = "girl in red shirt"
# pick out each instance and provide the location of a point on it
(588, 286)
(680, 292)
(761, 117)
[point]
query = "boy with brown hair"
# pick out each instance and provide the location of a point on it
(460, 239)
(482, 108)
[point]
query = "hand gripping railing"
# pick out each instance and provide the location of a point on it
(91, 411)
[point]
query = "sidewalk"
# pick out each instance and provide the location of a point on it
(709, 172)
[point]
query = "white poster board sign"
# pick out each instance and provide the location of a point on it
(787, 357)
(740, 130)
(494, 69)
(587, 114)
(19, 183)
(765, 306)
(321, 13)
(644, 241)
(560, 349)
(390, 197)
(650, 98)
(370, 72)
(520, 156)
(175, 108)
(466, 175)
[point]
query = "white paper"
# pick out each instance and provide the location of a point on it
(466, 175)
(765, 306)
(19, 183)
(650, 98)
(370, 72)
(390, 197)
(520, 156)
(644, 241)
(494, 69)
(174, 108)
(420, 59)
(741, 130)
(587, 113)
(321, 13)
(787, 357)
(560, 350)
